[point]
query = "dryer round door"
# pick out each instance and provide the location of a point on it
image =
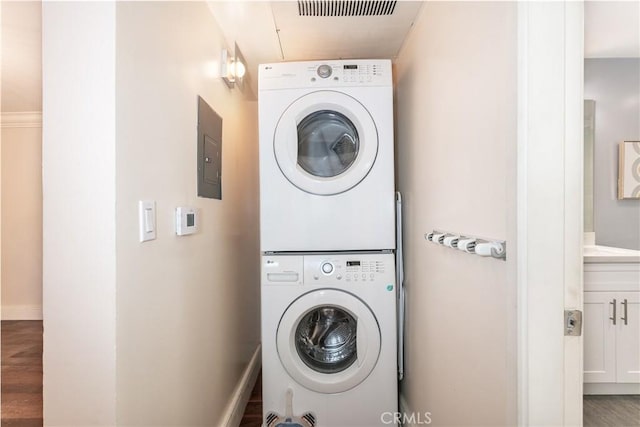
(325, 143)
(328, 341)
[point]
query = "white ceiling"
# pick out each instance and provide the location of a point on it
(272, 31)
(329, 37)
(612, 29)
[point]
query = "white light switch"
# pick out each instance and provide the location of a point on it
(149, 226)
(147, 220)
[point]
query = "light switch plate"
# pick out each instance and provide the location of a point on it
(186, 220)
(146, 220)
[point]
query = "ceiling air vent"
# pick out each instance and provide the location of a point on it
(345, 8)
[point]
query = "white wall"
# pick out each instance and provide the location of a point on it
(456, 139)
(187, 307)
(79, 215)
(21, 106)
(22, 216)
(156, 333)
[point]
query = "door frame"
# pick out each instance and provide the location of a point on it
(549, 210)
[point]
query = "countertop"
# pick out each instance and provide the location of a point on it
(606, 254)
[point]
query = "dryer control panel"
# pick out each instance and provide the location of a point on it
(325, 74)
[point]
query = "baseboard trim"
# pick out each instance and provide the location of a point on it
(21, 312)
(611, 388)
(235, 408)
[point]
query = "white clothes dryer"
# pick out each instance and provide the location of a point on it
(326, 156)
(329, 339)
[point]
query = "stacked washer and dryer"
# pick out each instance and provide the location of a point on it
(327, 237)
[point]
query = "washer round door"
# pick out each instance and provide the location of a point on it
(325, 143)
(328, 341)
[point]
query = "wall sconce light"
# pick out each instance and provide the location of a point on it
(233, 68)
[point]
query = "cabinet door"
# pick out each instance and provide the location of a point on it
(628, 338)
(599, 337)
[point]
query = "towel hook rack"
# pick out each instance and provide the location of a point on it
(469, 244)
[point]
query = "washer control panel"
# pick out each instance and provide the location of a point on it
(328, 269)
(356, 268)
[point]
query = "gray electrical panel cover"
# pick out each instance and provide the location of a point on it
(209, 152)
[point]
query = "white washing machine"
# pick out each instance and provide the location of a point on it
(326, 156)
(329, 339)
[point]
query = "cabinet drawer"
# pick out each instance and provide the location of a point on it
(612, 277)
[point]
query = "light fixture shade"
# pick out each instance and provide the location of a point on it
(226, 68)
(233, 68)
(239, 69)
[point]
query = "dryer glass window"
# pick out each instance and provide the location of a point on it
(326, 339)
(328, 143)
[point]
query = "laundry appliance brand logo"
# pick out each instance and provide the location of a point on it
(403, 418)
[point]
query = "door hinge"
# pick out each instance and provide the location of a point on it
(573, 323)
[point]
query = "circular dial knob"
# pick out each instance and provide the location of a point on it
(327, 268)
(324, 71)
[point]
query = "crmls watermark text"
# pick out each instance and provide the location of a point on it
(414, 418)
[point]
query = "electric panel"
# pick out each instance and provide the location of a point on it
(209, 152)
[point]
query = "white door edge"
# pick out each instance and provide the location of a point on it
(550, 99)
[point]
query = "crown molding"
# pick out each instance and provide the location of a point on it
(27, 119)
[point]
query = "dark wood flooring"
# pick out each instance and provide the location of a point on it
(599, 411)
(21, 373)
(611, 411)
(253, 412)
(21, 390)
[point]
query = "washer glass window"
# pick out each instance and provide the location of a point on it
(328, 143)
(325, 339)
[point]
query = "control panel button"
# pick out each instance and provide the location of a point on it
(324, 71)
(327, 268)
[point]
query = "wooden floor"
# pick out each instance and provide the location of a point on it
(21, 373)
(611, 411)
(22, 387)
(599, 411)
(253, 412)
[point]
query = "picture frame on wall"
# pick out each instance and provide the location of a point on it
(629, 170)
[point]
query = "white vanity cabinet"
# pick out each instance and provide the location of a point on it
(628, 340)
(611, 351)
(611, 327)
